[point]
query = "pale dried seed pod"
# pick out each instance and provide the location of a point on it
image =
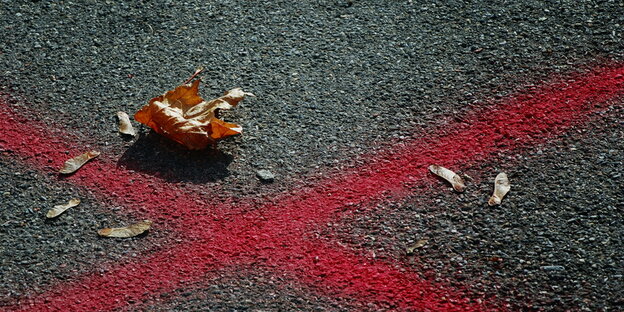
(501, 187)
(58, 209)
(75, 163)
(127, 231)
(450, 176)
(125, 126)
(419, 244)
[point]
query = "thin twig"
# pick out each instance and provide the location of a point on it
(197, 72)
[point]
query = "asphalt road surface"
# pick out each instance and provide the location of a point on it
(354, 100)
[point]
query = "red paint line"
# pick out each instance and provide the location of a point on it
(328, 271)
(524, 121)
(532, 118)
(129, 281)
(342, 274)
(44, 147)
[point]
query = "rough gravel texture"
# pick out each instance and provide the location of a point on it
(36, 252)
(333, 80)
(554, 243)
(239, 292)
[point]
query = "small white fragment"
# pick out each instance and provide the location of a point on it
(125, 126)
(501, 187)
(419, 244)
(58, 209)
(450, 176)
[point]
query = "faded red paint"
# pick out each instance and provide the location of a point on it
(273, 235)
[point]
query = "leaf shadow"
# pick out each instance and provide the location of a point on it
(160, 157)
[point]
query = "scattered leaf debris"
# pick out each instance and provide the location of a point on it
(75, 163)
(419, 244)
(183, 116)
(58, 209)
(127, 231)
(450, 176)
(501, 187)
(125, 126)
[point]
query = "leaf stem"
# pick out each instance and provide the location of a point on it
(197, 72)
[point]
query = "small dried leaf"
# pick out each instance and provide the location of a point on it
(183, 116)
(419, 244)
(125, 126)
(501, 187)
(75, 163)
(58, 209)
(450, 176)
(128, 231)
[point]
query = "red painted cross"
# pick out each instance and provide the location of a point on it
(221, 236)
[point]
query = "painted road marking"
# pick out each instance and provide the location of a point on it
(276, 231)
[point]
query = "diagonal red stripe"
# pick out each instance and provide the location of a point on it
(530, 119)
(333, 272)
(168, 269)
(523, 121)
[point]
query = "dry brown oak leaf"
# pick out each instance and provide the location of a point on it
(183, 116)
